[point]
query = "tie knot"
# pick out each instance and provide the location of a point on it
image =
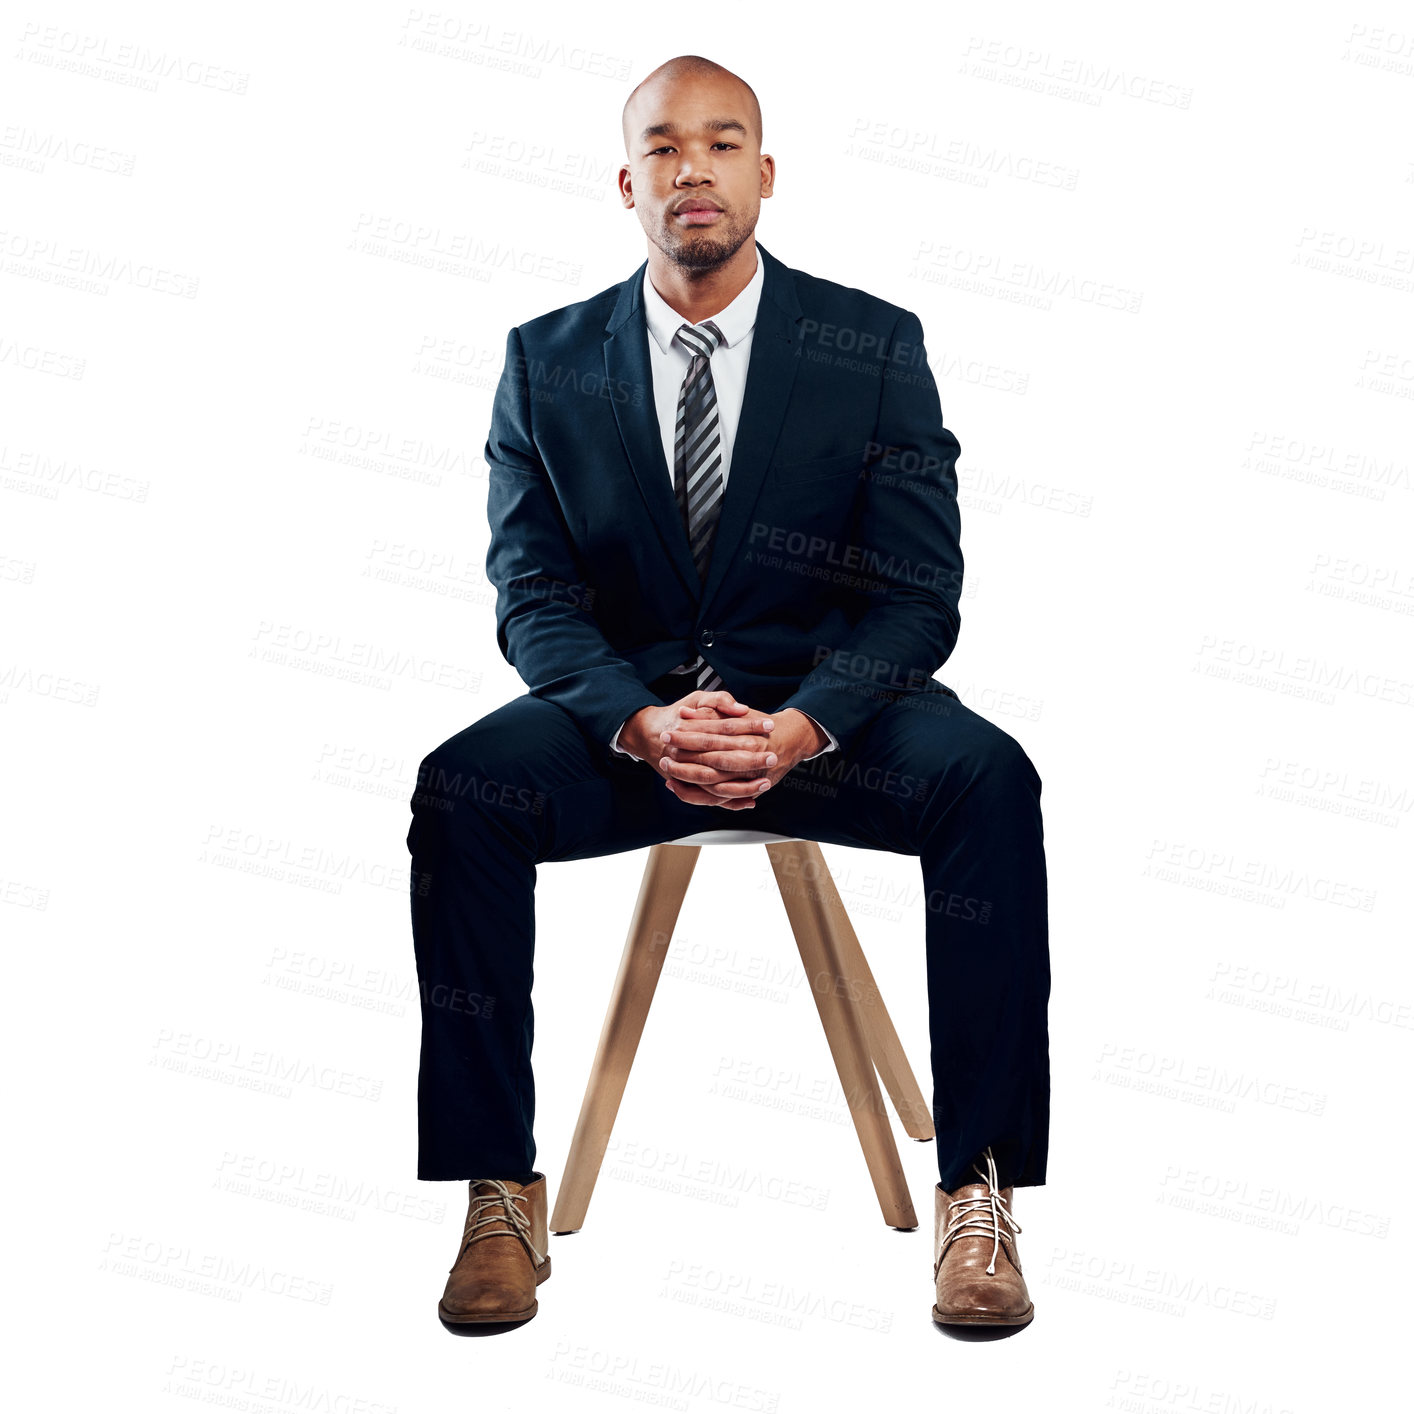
(700, 339)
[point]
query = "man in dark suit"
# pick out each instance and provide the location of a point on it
(725, 541)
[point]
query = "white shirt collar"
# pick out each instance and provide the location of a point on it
(736, 321)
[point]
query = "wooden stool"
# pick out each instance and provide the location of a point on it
(857, 1026)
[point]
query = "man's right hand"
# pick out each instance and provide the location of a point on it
(643, 733)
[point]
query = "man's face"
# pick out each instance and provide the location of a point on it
(691, 143)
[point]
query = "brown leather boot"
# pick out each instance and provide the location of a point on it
(976, 1269)
(504, 1253)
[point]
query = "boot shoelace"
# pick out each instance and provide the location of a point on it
(978, 1214)
(477, 1219)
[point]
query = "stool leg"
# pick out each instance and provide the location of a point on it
(660, 895)
(815, 936)
(885, 1047)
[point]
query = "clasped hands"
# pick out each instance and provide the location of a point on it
(711, 749)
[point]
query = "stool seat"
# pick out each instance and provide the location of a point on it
(734, 837)
(859, 1033)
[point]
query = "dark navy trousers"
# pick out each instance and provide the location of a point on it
(524, 785)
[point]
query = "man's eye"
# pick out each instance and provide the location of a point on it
(719, 143)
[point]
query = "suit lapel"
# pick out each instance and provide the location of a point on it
(626, 366)
(770, 376)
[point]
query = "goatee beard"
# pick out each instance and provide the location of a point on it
(700, 253)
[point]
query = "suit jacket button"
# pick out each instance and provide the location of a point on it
(705, 638)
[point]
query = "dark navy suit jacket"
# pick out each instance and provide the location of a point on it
(836, 567)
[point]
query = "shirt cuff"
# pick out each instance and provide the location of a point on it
(833, 743)
(617, 749)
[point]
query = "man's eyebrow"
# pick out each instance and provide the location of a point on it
(711, 125)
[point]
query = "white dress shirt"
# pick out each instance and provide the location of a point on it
(668, 359)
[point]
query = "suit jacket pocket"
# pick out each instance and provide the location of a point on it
(820, 466)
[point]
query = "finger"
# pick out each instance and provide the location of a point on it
(745, 735)
(695, 773)
(722, 700)
(722, 758)
(705, 776)
(703, 738)
(727, 726)
(694, 795)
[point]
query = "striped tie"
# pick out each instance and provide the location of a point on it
(697, 460)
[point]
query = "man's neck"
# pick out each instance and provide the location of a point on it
(699, 294)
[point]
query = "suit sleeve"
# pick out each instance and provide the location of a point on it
(545, 626)
(909, 529)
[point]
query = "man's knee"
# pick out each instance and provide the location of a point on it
(507, 760)
(466, 765)
(996, 757)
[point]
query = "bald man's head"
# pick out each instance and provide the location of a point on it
(686, 68)
(695, 174)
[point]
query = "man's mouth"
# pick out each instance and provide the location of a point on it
(698, 213)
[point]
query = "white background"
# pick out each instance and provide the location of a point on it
(258, 267)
